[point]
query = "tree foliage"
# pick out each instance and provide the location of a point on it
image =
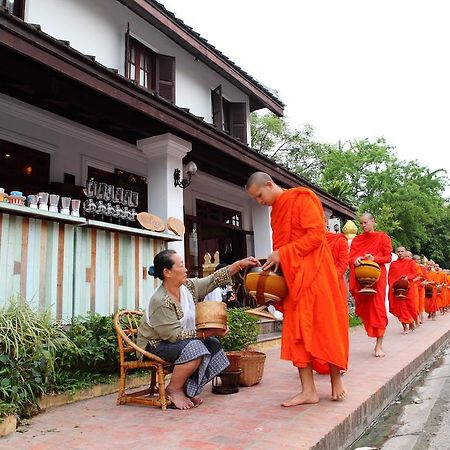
(406, 198)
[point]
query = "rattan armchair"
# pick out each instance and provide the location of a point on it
(126, 324)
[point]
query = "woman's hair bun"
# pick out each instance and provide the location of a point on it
(151, 271)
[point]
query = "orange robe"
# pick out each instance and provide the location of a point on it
(420, 288)
(371, 308)
(338, 244)
(339, 250)
(315, 325)
(404, 309)
(430, 302)
(440, 279)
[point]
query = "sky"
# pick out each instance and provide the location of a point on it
(352, 69)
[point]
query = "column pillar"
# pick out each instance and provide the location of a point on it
(165, 153)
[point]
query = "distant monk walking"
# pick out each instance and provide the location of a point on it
(422, 273)
(371, 308)
(405, 309)
(315, 322)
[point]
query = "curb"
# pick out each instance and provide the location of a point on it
(98, 390)
(351, 428)
(8, 425)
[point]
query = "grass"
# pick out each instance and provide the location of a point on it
(354, 320)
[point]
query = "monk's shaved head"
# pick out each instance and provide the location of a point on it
(401, 249)
(259, 179)
(367, 215)
(416, 258)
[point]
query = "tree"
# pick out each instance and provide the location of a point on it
(406, 198)
(294, 149)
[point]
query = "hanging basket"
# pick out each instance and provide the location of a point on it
(252, 366)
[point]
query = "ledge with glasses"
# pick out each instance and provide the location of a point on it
(9, 208)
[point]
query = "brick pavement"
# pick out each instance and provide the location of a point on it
(251, 419)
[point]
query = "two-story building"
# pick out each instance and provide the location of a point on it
(124, 92)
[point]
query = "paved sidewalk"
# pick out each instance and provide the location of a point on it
(251, 419)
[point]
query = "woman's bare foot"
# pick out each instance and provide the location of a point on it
(179, 399)
(197, 401)
(302, 398)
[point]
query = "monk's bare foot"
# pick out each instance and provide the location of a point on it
(338, 391)
(379, 352)
(405, 332)
(179, 399)
(303, 398)
(197, 401)
(411, 327)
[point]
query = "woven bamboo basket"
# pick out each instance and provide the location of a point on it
(252, 365)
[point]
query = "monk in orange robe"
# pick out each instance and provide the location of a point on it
(409, 255)
(338, 244)
(431, 306)
(421, 281)
(373, 246)
(405, 309)
(315, 325)
(440, 279)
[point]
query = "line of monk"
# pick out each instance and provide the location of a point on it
(314, 263)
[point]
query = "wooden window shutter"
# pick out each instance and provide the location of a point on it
(127, 52)
(217, 107)
(165, 77)
(238, 121)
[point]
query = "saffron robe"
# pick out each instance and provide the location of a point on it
(404, 309)
(371, 308)
(430, 302)
(338, 244)
(315, 325)
(440, 279)
(422, 272)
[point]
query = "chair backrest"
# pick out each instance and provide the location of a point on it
(126, 323)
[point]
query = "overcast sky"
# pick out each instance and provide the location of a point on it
(350, 68)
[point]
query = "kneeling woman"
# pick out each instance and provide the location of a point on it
(167, 328)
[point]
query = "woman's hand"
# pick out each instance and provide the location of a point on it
(273, 261)
(250, 261)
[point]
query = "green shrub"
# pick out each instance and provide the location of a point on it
(96, 346)
(243, 330)
(29, 342)
(354, 320)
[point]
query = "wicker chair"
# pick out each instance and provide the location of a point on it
(126, 324)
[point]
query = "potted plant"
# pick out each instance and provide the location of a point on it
(243, 332)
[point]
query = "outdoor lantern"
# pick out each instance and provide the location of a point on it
(191, 169)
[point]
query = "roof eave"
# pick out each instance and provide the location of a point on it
(190, 42)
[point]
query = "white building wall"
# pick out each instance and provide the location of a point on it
(72, 146)
(98, 28)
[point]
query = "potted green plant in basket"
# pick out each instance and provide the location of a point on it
(243, 332)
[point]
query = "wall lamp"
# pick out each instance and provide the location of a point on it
(191, 169)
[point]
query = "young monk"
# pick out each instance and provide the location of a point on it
(315, 325)
(405, 309)
(416, 279)
(339, 250)
(440, 279)
(431, 306)
(373, 246)
(420, 283)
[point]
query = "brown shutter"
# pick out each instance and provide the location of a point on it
(165, 77)
(217, 107)
(127, 52)
(238, 121)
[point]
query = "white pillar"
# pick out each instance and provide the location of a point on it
(165, 153)
(262, 230)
